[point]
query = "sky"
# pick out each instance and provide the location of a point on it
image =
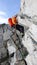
(8, 8)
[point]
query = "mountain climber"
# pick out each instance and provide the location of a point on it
(13, 22)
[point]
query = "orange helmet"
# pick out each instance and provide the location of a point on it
(12, 21)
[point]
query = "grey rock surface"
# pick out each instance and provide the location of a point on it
(10, 38)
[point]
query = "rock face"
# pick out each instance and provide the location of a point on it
(7, 46)
(22, 6)
(29, 7)
(28, 18)
(11, 47)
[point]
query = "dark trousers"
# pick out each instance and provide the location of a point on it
(20, 28)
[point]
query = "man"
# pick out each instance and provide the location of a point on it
(13, 22)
